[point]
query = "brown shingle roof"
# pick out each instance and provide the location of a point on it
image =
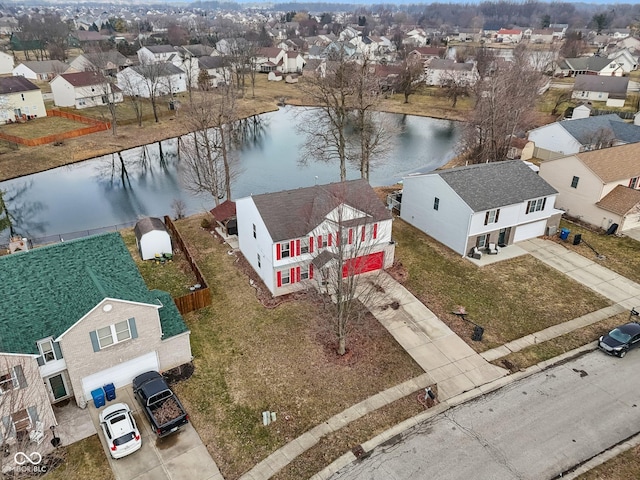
(224, 211)
(294, 213)
(615, 163)
(16, 84)
(83, 79)
(620, 200)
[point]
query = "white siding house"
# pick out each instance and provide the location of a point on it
(83, 90)
(156, 79)
(6, 63)
(465, 207)
(290, 237)
(21, 100)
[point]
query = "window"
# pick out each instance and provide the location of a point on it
(491, 216)
(285, 277)
(322, 241)
(284, 250)
(633, 183)
(254, 231)
(304, 245)
(482, 240)
(259, 266)
(113, 334)
(574, 182)
(21, 420)
(536, 205)
(8, 381)
(48, 352)
(22, 96)
(304, 273)
(436, 203)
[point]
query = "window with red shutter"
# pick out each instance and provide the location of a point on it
(297, 274)
(297, 247)
(362, 234)
(350, 236)
(330, 239)
(311, 270)
(375, 230)
(293, 247)
(278, 253)
(311, 244)
(292, 273)
(279, 279)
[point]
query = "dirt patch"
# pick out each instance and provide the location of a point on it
(179, 373)
(398, 271)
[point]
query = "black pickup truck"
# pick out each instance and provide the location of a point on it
(163, 409)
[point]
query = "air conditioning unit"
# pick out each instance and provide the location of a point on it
(552, 230)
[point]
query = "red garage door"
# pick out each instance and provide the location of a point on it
(366, 263)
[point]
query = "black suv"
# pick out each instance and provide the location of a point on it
(621, 339)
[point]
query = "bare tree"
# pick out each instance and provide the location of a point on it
(410, 78)
(455, 85)
(602, 138)
(351, 234)
(100, 61)
(208, 158)
(505, 106)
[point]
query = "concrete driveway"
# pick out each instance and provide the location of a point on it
(181, 456)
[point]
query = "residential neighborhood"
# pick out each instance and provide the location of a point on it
(243, 242)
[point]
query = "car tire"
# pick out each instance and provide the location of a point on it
(623, 353)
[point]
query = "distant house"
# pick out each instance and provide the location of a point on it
(498, 202)
(23, 100)
(159, 54)
(152, 79)
(42, 71)
(196, 50)
(571, 67)
(612, 90)
(426, 54)
(599, 187)
(85, 38)
(573, 136)
(217, 68)
(507, 35)
(270, 59)
(6, 63)
(288, 247)
(107, 63)
(627, 60)
(84, 90)
(542, 36)
(152, 238)
(295, 62)
(442, 71)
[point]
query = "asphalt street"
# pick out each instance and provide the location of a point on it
(536, 428)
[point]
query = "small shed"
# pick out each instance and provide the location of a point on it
(225, 216)
(152, 238)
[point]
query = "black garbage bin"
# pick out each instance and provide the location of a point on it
(577, 238)
(477, 333)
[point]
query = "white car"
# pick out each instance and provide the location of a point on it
(120, 430)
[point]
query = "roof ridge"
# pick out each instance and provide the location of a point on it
(96, 281)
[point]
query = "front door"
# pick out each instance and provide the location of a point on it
(58, 387)
(503, 236)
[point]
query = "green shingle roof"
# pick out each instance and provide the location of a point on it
(45, 291)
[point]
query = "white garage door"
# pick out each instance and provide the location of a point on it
(530, 230)
(121, 374)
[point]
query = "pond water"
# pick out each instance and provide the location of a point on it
(68, 201)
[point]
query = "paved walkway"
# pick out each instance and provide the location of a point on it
(459, 371)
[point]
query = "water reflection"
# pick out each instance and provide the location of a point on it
(119, 188)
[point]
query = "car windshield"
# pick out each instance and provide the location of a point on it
(620, 336)
(124, 439)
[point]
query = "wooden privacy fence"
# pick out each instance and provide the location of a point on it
(94, 126)
(198, 298)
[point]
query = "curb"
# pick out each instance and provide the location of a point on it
(396, 431)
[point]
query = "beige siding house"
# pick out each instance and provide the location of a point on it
(21, 100)
(74, 317)
(600, 187)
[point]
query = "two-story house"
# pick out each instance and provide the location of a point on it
(40, 70)
(159, 54)
(75, 316)
(442, 71)
(152, 79)
(601, 187)
(294, 236)
(84, 90)
(612, 90)
(465, 207)
(107, 63)
(22, 100)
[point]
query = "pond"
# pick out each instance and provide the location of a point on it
(117, 189)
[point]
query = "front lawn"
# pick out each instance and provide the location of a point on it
(250, 359)
(83, 460)
(620, 253)
(41, 127)
(510, 299)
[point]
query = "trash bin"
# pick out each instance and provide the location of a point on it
(577, 238)
(564, 233)
(477, 333)
(98, 397)
(110, 391)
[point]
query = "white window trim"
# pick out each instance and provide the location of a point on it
(285, 247)
(113, 335)
(48, 341)
(14, 382)
(285, 275)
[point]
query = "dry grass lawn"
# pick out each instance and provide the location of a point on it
(249, 359)
(510, 299)
(41, 127)
(620, 253)
(625, 466)
(83, 460)
(562, 344)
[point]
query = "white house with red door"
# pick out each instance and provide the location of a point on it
(294, 237)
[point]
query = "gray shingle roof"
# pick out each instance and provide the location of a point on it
(584, 129)
(148, 224)
(16, 84)
(45, 291)
(497, 184)
(593, 64)
(615, 86)
(294, 213)
(154, 70)
(46, 66)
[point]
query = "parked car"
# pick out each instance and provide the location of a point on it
(161, 406)
(621, 339)
(120, 430)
